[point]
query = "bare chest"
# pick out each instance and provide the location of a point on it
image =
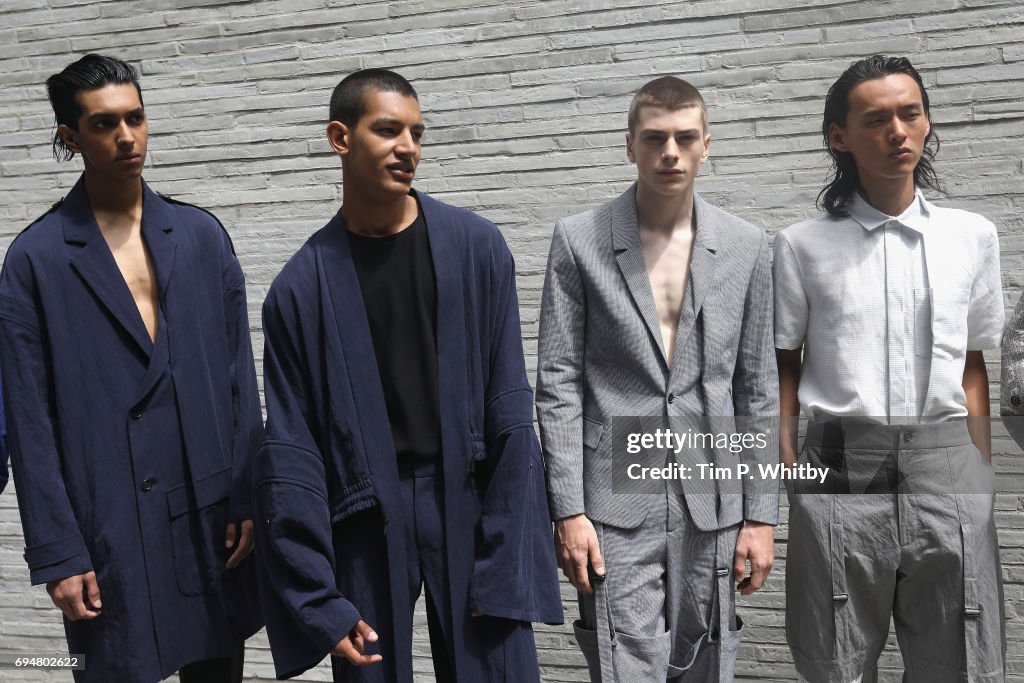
(668, 268)
(136, 268)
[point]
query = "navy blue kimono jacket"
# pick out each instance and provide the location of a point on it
(328, 456)
(131, 456)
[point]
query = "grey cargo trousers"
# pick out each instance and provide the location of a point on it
(903, 527)
(657, 614)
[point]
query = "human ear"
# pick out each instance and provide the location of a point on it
(629, 149)
(338, 137)
(835, 139)
(70, 137)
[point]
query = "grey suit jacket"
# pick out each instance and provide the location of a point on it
(601, 356)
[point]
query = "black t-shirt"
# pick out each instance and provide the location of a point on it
(396, 275)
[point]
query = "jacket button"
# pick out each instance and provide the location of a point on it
(136, 414)
(671, 397)
(148, 484)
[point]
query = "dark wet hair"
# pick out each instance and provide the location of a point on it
(91, 72)
(348, 101)
(843, 179)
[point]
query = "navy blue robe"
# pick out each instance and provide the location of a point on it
(131, 456)
(328, 454)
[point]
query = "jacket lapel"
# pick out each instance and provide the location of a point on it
(446, 253)
(630, 257)
(157, 232)
(92, 259)
(349, 315)
(702, 273)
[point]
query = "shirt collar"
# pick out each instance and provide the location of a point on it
(914, 217)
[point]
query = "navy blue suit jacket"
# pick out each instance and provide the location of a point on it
(87, 430)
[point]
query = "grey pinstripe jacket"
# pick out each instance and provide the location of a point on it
(601, 356)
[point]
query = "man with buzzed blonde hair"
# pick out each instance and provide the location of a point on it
(656, 305)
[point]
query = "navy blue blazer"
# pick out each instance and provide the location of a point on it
(130, 456)
(328, 453)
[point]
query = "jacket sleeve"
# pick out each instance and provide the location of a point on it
(1011, 405)
(756, 388)
(560, 378)
(306, 615)
(514, 569)
(245, 395)
(3, 445)
(54, 546)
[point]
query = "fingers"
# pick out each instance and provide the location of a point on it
(751, 584)
(759, 569)
(739, 563)
(352, 646)
(76, 596)
(577, 549)
(574, 566)
(230, 535)
(596, 560)
(92, 591)
(363, 629)
(579, 577)
(756, 545)
(245, 543)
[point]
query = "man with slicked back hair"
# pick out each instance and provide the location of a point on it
(132, 404)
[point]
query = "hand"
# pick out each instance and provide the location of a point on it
(351, 647)
(576, 547)
(244, 541)
(78, 597)
(756, 543)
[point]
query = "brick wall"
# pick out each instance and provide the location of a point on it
(525, 103)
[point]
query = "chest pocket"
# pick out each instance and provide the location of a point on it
(949, 321)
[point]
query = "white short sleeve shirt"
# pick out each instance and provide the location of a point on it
(886, 308)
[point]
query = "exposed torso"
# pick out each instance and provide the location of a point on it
(668, 268)
(124, 237)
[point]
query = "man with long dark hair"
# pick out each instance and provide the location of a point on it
(883, 307)
(132, 404)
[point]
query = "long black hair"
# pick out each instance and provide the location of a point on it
(843, 179)
(91, 72)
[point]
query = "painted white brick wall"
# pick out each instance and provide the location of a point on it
(525, 102)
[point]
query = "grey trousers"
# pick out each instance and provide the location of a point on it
(903, 528)
(657, 615)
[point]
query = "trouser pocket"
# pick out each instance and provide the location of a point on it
(587, 639)
(730, 644)
(641, 659)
